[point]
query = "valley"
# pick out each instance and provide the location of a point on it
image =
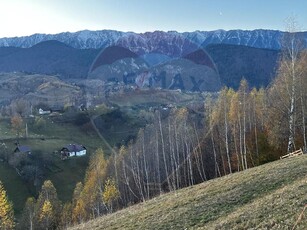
(156, 112)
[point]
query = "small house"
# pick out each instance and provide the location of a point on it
(73, 150)
(43, 112)
(23, 149)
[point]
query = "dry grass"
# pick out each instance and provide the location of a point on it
(270, 196)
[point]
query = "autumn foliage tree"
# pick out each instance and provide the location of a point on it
(28, 215)
(287, 93)
(6, 210)
(87, 200)
(48, 207)
(46, 216)
(78, 206)
(17, 124)
(66, 218)
(110, 194)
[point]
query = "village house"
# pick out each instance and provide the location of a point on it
(72, 150)
(43, 112)
(23, 149)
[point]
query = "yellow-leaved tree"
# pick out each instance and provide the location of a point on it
(78, 206)
(28, 215)
(46, 214)
(48, 207)
(110, 194)
(6, 210)
(17, 124)
(94, 185)
(66, 216)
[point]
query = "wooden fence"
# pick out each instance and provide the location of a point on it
(293, 154)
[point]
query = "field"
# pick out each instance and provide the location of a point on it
(11, 181)
(271, 196)
(155, 97)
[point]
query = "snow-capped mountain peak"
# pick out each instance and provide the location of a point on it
(154, 41)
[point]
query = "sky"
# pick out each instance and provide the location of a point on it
(26, 17)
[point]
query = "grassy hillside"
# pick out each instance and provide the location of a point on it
(270, 196)
(52, 137)
(11, 181)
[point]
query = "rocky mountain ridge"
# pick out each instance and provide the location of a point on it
(151, 41)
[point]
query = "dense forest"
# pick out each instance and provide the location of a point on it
(233, 131)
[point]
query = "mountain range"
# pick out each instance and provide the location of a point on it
(233, 54)
(231, 62)
(48, 57)
(86, 39)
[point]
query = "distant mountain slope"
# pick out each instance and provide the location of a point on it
(151, 41)
(257, 66)
(270, 196)
(112, 54)
(50, 57)
(232, 62)
(37, 88)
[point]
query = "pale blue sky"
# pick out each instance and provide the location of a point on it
(25, 17)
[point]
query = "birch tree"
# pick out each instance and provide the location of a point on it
(28, 214)
(48, 206)
(93, 188)
(289, 68)
(285, 92)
